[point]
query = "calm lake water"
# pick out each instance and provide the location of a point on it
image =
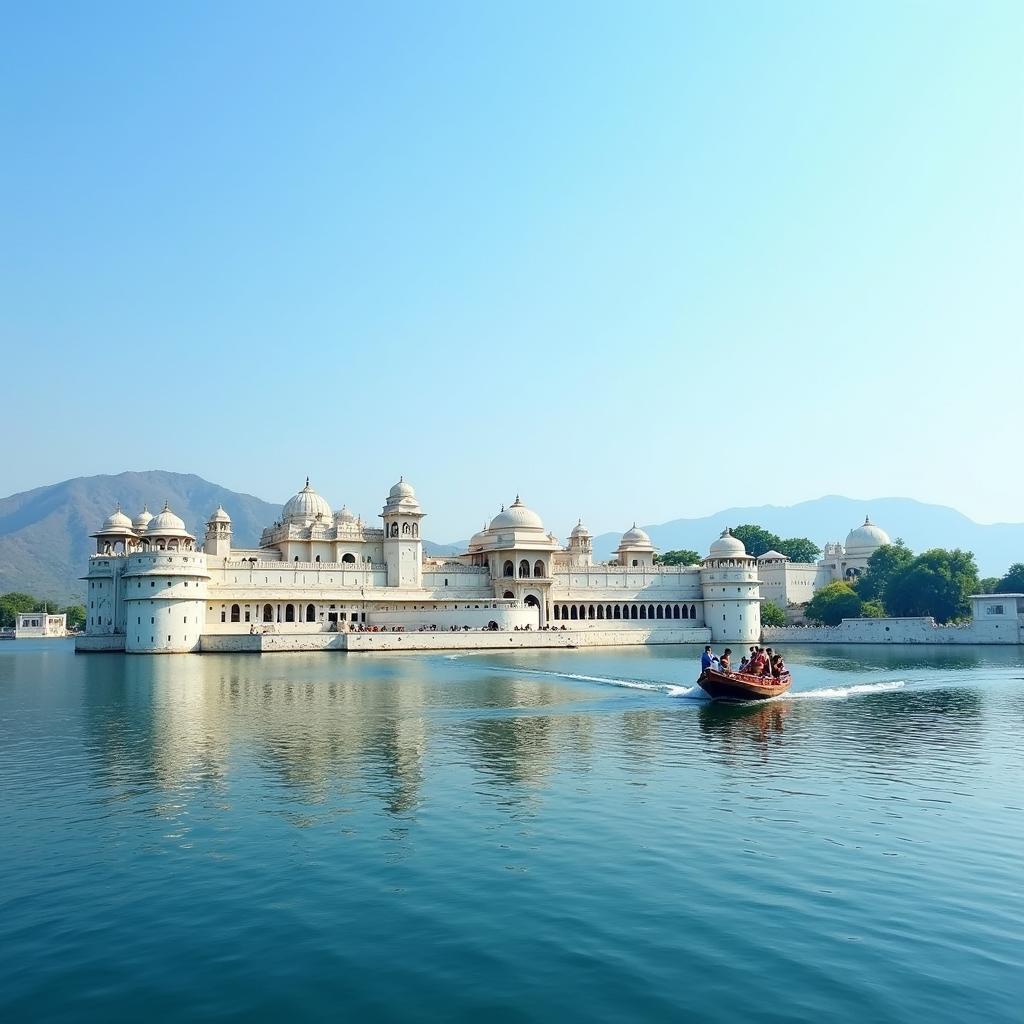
(533, 836)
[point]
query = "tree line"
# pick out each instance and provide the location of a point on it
(937, 582)
(15, 602)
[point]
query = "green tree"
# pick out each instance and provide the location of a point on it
(799, 549)
(872, 610)
(882, 565)
(772, 614)
(755, 539)
(1013, 581)
(988, 584)
(937, 583)
(14, 602)
(682, 557)
(76, 616)
(833, 603)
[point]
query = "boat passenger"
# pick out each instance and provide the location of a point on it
(744, 662)
(725, 661)
(707, 659)
(778, 667)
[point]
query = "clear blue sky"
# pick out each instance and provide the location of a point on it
(631, 260)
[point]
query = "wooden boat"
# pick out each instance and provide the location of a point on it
(740, 686)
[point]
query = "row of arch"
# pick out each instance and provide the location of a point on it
(408, 530)
(509, 569)
(290, 613)
(625, 611)
(347, 559)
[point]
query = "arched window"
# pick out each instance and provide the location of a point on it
(317, 558)
(524, 569)
(693, 611)
(509, 570)
(310, 613)
(643, 611)
(600, 611)
(634, 611)
(508, 593)
(565, 611)
(268, 613)
(557, 612)
(590, 612)
(394, 529)
(348, 559)
(572, 613)
(296, 558)
(415, 529)
(538, 568)
(289, 613)
(675, 611)
(608, 612)
(617, 615)
(236, 613)
(650, 611)
(660, 613)
(531, 602)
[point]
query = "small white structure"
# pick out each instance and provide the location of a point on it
(40, 624)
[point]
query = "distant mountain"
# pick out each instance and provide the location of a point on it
(45, 543)
(44, 533)
(830, 518)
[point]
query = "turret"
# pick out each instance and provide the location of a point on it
(635, 549)
(732, 602)
(403, 549)
(218, 534)
(581, 550)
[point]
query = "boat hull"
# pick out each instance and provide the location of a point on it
(737, 686)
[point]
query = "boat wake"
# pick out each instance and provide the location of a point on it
(627, 684)
(842, 692)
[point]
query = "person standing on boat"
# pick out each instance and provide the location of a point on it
(707, 659)
(725, 661)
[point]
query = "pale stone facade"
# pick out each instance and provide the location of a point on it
(793, 583)
(40, 624)
(151, 589)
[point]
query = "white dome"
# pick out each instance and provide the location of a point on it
(635, 538)
(344, 515)
(478, 538)
(141, 521)
(727, 546)
(773, 556)
(166, 522)
(403, 490)
(116, 521)
(305, 507)
(866, 539)
(579, 530)
(517, 517)
(220, 516)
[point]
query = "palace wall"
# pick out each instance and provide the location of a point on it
(923, 630)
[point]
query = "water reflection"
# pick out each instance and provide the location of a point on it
(327, 731)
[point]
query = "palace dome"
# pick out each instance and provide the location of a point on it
(579, 530)
(116, 522)
(773, 556)
(305, 507)
(727, 546)
(166, 522)
(866, 539)
(142, 520)
(344, 515)
(220, 516)
(634, 537)
(517, 517)
(402, 491)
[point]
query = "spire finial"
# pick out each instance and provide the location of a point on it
(307, 479)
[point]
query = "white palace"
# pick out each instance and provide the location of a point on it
(326, 580)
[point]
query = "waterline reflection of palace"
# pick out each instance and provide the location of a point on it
(322, 580)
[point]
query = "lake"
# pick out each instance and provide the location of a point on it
(528, 836)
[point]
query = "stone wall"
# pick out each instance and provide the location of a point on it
(924, 630)
(94, 644)
(475, 640)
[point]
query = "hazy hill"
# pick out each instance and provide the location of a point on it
(44, 533)
(831, 518)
